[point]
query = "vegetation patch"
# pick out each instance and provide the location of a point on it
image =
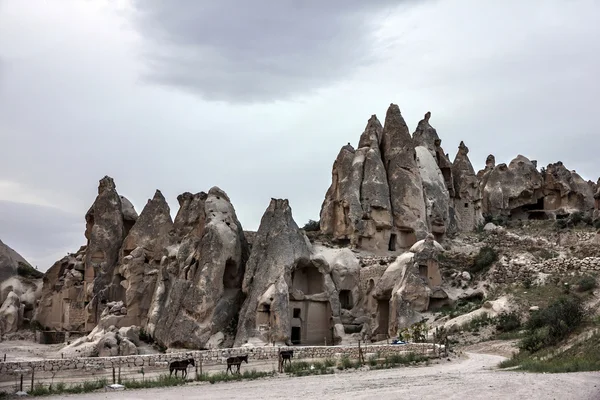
(303, 368)
(312, 226)
(484, 260)
(586, 283)
(27, 271)
(547, 329)
(583, 356)
(224, 377)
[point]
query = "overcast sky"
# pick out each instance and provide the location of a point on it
(257, 97)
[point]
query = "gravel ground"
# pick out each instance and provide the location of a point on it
(471, 378)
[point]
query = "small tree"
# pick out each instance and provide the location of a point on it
(312, 226)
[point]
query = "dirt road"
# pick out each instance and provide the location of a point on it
(472, 378)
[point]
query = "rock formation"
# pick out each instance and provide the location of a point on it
(467, 199)
(509, 188)
(279, 250)
(140, 257)
(77, 287)
(20, 288)
(201, 281)
(199, 290)
(406, 188)
(357, 205)
(409, 286)
(564, 189)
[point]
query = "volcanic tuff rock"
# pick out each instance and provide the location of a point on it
(20, 288)
(437, 198)
(199, 290)
(105, 231)
(140, 258)
(357, 205)
(406, 188)
(566, 189)
(467, 200)
(512, 186)
(278, 249)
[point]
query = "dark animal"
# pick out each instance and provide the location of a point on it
(237, 361)
(181, 366)
(285, 355)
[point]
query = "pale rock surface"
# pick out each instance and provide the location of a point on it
(404, 180)
(198, 292)
(436, 195)
(141, 253)
(467, 199)
(510, 187)
(279, 248)
(11, 314)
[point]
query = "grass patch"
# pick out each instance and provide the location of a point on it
(224, 377)
(303, 368)
(397, 360)
(583, 356)
(162, 381)
(40, 389)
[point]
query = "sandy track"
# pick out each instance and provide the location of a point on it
(472, 378)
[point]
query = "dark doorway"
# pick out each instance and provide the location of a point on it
(346, 299)
(295, 335)
(383, 317)
(392, 245)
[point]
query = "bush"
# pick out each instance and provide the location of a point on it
(576, 217)
(586, 283)
(507, 322)
(560, 224)
(312, 226)
(484, 259)
(553, 324)
(27, 271)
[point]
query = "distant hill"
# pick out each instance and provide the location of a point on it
(12, 263)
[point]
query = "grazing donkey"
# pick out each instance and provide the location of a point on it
(285, 355)
(182, 366)
(237, 361)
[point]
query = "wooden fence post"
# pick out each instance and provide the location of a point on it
(32, 377)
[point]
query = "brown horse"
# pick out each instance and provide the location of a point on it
(181, 366)
(285, 355)
(237, 361)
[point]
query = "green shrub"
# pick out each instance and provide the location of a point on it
(345, 363)
(560, 224)
(302, 368)
(508, 321)
(586, 283)
(484, 259)
(312, 226)
(27, 271)
(553, 324)
(576, 217)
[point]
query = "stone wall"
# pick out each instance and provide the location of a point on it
(509, 273)
(214, 356)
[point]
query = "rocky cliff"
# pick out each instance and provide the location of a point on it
(200, 281)
(20, 286)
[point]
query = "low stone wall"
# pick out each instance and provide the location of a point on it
(211, 356)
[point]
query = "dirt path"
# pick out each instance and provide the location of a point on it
(472, 378)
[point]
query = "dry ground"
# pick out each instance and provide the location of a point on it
(473, 377)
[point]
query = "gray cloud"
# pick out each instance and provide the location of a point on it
(258, 50)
